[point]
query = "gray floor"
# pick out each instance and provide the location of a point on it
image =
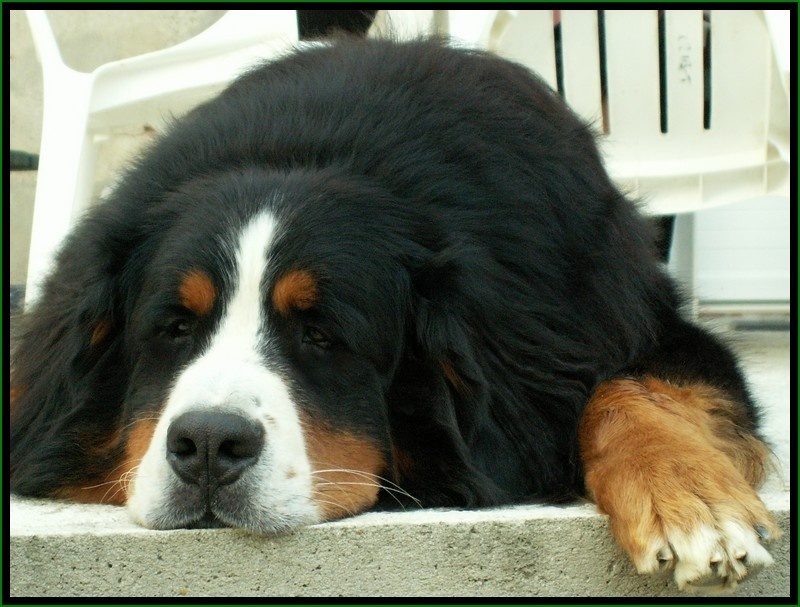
(765, 356)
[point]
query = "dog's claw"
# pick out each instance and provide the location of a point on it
(665, 557)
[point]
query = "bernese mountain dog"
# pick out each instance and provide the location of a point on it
(374, 274)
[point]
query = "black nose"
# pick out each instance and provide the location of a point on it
(213, 448)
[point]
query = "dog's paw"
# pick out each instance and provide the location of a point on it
(675, 473)
(709, 559)
(709, 529)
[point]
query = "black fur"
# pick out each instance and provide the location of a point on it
(462, 216)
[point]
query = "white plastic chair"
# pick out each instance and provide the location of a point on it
(79, 107)
(683, 165)
(743, 151)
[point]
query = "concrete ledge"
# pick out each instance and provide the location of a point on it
(59, 550)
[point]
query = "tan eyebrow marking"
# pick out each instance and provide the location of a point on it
(197, 292)
(297, 289)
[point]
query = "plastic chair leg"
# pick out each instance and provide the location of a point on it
(64, 181)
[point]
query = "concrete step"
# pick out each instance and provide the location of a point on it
(59, 550)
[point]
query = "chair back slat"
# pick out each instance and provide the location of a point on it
(580, 53)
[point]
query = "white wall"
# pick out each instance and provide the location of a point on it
(743, 252)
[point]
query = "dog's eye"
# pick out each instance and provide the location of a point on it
(177, 328)
(313, 336)
(180, 328)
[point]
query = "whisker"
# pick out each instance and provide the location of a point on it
(98, 485)
(362, 472)
(119, 484)
(389, 490)
(384, 481)
(107, 497)
(139, 419)
(335, 504)
(117, 467)
(394, 488)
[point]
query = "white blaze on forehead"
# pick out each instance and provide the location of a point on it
(230, 374)
(242, 323)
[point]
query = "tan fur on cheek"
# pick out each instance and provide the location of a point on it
(113, 488)
(345, 469)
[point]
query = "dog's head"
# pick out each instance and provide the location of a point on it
(264, 350)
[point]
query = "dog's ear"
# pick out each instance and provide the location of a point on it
(68, 374)
(439, 394)
(447, 321)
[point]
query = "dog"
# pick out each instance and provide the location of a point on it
(374, 274)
